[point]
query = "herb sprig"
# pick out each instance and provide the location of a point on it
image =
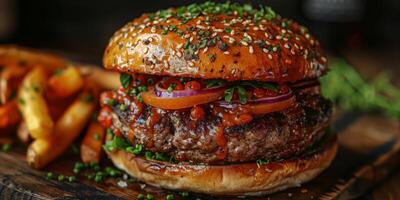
(344, 86)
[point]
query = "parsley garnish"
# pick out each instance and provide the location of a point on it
(125, 79)
(344, 86)
(171, 87)
(214, 82)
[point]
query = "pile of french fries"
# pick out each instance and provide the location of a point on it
(47, 102)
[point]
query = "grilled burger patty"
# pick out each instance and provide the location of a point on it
(274, 135)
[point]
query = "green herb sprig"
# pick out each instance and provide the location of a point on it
(345, 86)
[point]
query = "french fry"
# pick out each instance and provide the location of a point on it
(33, 105)
(10, 80)
(11, 55)
(23, 133)
(104, 79)
(44, 150)
(91, 147)
(66, 82)
(9, 116)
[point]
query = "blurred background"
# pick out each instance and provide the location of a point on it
(366, 32)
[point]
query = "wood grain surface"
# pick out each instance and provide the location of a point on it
(368, 153)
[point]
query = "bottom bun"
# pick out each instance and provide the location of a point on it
(234, 179)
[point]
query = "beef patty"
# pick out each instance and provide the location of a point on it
(274, 135)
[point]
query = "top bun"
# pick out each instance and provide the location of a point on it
(216, 41)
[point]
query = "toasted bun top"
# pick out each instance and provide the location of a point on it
(213, 40)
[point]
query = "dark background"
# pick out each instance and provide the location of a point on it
(82, 28)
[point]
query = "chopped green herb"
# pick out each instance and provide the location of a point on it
(164, 32)
(122, 107)
(21, 101)
(263, 85)
(71, 178)
(98, 178)
(171, 87)
(6, 147)
(161, 157)
(88, 98)
(170, 197)
(214, 83)
(149, 197)
(135, 150)
(50, 176)
(185, 194)
(150, 81)
(110, 132)
(149, 155)
(140, 197)
(111, 102)
(96, 136)
(61, 177)
(260, 162)
(212, 57)
(228, 94)
(242, 94)
(142, 88)
(125, 79)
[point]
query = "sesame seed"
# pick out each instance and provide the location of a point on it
(251, 50)
(244, 43)
(256, 28)
(205, 49)
(200, 27)
(226, 52)
(265, 50)
(270, 56)
(172, 52)
(146, 50)
(274, 49)
(297, 38)
(266, 34)
(179, 54)
(155, 22)
(285, 39)
(307, 35)
(278, 37)
(283, 31)
(186, 36)
(179, 46)
(232, 32)
(153, 29)
(218, 30)
(286, 46)
(168, 21)
(214, 34)
(231, 40)
(293, 52)
(198, 22)
(191, 64)
(191, 39)
(323, 59)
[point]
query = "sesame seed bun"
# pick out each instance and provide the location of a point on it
(253, 45)
(236, 179)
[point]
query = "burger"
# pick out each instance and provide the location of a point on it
(217, 98)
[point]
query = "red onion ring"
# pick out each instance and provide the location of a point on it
(274, 99)
(305, 84)
(160, 92)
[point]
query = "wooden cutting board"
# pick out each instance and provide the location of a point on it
(369, 151)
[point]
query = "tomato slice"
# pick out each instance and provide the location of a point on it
(262, 108)
(172, 103)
